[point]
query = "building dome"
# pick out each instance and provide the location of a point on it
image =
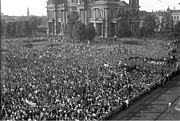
(168, 9)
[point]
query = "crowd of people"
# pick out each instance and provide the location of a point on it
(72, 82)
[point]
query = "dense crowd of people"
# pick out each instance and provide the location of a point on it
(72, 82)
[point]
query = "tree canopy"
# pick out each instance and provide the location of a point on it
(24, 27)
(124, 29)
(91, 32)
(149, 26)
(3, 25)
(79, 31)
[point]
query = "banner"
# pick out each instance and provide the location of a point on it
(56, 107)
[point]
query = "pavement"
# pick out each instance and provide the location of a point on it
(154, 105)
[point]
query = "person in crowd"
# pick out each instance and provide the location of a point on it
(127, 103)
(169, 107)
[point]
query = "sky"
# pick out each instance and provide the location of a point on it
(38, 7)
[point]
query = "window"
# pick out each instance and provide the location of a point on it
(50, 15)
(109, 13)
(114, 13)
(59, 14)
(100, 13)
(92, 14)
(89, 13)
(97, 13)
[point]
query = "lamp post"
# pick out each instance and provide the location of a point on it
(117, 19)
(53, 26)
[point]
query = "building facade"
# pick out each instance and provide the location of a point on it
(106, 15)
(175, 16)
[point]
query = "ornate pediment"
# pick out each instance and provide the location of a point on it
(122, 3)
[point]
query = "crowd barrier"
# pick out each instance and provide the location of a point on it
(145, 91)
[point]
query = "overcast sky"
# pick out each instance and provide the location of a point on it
(38, 7)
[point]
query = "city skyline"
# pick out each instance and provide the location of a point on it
(38, 7)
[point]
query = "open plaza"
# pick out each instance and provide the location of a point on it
(90, 60)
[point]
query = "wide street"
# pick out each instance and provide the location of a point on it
(154, 106)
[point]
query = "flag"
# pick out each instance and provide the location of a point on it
(30, 103)
(106, 65)
(74, 99)
(81, 90)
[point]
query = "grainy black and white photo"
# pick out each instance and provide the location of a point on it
(90, 60)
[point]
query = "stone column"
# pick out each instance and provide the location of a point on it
(85, 15)
(66, 14)
(115, 27)
(64, 21)
(102, 29)
(47, 23)
(80, 16)
(106, 22)
(61, 29)
(54, 22)
(47, 29)
(95, 25)
(55, 27)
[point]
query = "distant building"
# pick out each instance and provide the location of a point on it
(175, 16)
(104, 14)
(7, 18)
(164, 19)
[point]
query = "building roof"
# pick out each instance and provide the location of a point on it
(175, 11)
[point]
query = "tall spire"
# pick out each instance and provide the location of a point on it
(28, 12)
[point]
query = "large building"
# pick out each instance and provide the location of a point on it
(106, 15)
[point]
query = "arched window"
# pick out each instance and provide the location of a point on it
(50, 16)
(92, 14)
(59, 14)
(97, 13)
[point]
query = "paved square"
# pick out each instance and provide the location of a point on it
(172, 113)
